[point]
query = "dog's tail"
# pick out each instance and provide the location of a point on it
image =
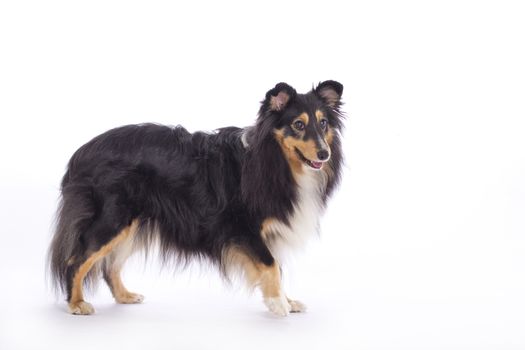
(75, 214)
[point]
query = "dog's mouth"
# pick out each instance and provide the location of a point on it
(311, 163)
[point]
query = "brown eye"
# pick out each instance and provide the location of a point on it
(324, 124)
(298, 125)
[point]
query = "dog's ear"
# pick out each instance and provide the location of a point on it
(330, 92)
(278, 98)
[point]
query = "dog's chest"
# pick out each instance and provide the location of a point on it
(304, 220)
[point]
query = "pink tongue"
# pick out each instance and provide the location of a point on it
(317, 165)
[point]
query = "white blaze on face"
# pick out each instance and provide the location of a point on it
(325, 147)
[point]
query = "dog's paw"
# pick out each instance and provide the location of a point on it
(81, 308)
(130, 298)
(278, 305)
(296, 306)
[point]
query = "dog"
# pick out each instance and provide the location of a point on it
(239, 198)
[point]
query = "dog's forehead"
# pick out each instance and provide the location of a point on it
(306, 103)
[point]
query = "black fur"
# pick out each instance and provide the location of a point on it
(197, 193)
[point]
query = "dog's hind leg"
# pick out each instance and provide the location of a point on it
(113, 264)
(77, 305)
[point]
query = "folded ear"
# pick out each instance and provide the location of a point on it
(278, 98)
(330, 92)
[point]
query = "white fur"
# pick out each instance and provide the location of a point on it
(119, 255)
(325, 146)
(244, 138)
(278, 305)
(297, 306)
(304, 221)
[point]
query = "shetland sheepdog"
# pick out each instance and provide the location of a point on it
(239, 198)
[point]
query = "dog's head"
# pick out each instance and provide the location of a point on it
(305, 125)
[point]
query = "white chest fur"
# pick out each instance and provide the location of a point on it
(304, 221)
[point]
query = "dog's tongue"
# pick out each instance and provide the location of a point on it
(317, 165)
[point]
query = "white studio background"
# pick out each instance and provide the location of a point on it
(422, 247)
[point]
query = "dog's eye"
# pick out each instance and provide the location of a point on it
(324, 124)
(299, 125)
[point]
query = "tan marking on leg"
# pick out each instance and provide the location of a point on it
(270, 284)
(267, 278)
(112, 272)
(76, 302)
(119, 291)
(235, 261)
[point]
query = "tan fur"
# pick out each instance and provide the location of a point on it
(270, 280)
(267, 233)
(307, 148)
(329, 136)
(119, 291)
(303, 117)
(296, 164)
(319, 115)
(288, 145)
(235, 260)
(267, 278)
(113, 264)
(77, 299)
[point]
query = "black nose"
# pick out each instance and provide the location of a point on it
(323, 154)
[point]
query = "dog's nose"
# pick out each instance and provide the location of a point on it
(323, 154)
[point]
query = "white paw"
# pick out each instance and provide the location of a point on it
(279, 306)
(130, 298)
(81, 308)
(297, 306)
